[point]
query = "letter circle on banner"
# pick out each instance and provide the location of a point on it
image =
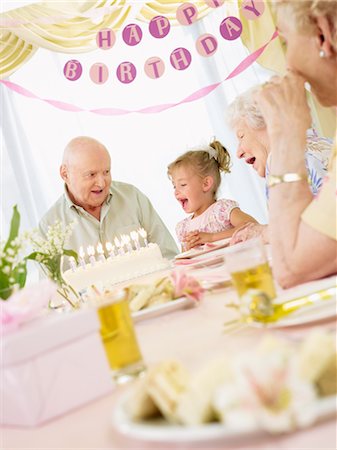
(159, 27)
(231, 28)
(206, 45)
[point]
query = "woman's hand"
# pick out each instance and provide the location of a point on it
(248, 231)
(284, 105)
(195, 238)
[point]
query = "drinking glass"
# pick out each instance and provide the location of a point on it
(248, 266)
(119, 337)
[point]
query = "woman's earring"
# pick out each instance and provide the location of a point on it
(322, 54)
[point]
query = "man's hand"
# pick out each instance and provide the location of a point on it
(248, 231)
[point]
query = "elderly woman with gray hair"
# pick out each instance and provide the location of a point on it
(246, 119)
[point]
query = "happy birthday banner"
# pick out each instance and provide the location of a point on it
(159, 27)
(248, 61)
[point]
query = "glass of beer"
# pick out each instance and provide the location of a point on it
(119, 337)
(248, 266)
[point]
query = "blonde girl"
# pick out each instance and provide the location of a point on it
(196, 177)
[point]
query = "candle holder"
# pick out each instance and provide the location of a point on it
(119, 246)
(81, 257)
(91, 254)
(126, 241)
(143, 234)
(135, 238)
(72, 263)
(100, 252)
(110, 249)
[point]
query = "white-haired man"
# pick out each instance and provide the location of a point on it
(102, 208)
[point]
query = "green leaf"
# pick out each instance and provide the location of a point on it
(34, 255)
(4, 280)
(14, 228)
(71, 253)
(20, 274)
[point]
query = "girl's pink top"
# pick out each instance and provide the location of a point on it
(216, 218)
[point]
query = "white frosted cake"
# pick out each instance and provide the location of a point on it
(104, 274)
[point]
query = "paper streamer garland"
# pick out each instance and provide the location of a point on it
(203, 92)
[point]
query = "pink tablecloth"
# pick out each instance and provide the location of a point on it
(192, 336)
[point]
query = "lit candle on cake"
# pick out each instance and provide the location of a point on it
(91, 253)
(135, 238)
(119, 246)
(100, 252)
(110, 249)
(72, 263)
(126, 241)
(143, 234)
(81, 255)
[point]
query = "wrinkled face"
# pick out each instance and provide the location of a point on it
(88, 178)
(188, 188)
(302, 55)
(253, 146)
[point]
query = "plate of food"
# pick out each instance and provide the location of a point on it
(164, 308)
(203, 249)
(235, 397)
(160, 430)
(164, 295)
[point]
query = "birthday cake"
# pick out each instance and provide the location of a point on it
(106, 272)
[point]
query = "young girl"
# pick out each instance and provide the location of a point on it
(195, 176)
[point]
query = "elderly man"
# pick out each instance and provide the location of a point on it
(101, 207)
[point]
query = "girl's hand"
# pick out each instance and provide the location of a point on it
(284, 105)
(195, 238)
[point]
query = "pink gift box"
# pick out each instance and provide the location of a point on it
(52, 365)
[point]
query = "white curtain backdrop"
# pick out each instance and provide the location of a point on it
(141, 145)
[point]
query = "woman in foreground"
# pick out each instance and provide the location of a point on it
(302, 229)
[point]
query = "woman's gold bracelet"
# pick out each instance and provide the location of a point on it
(274, 180)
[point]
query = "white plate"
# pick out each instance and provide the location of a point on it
(317, 312)
(164, 308)
(202, 249)
(162, 431)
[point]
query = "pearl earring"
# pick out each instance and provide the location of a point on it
(322, 54)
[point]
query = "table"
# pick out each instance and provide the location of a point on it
(192, 336)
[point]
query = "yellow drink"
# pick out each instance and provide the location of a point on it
(118, 335)
(259, 277)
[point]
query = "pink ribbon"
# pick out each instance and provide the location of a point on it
(200, 93)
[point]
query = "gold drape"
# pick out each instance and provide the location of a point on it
(169, 9)
(66, 27)
(70, 27)
(255, 33)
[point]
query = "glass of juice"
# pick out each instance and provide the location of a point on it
(248, 266)
(119, 337)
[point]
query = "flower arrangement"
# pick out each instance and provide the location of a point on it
(186, 286)
(13, 270)
(49, 254)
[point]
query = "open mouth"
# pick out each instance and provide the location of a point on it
(183, 202)
(97, 191)
(250, 160)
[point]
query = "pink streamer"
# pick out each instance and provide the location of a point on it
(200, 93)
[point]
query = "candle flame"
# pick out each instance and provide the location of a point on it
(81, 252)
(108, 246)
(91, 250)
(142, 232)
(100, 249)
(116, 241)
(134, 235)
